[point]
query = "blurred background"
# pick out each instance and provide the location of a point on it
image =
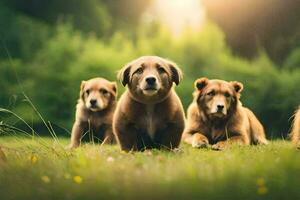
(47, 47)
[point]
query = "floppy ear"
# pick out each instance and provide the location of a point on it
(201, 83)
(114, 88)
(123, 75)
(177, 74)
(238, 87)
(81, 89)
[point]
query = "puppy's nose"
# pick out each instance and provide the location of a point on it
(151, 80)
(93, 102)
(220, 107)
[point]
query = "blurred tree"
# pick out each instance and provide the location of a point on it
(99, 16)
(87, 15)
(20, 35)
(126, 14)
(251, 24)
(293, 60)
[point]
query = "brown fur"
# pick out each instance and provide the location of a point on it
(97, 119)
(149, 118)
(295, 133)
(208, 124)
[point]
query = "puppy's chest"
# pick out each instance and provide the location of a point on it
(217, 133)
(151, 122)
(96, 121)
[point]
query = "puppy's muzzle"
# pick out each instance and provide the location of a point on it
(150, 85)
(151, 80)
(219, 110)
(93, 103)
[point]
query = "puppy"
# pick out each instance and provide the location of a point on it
(216, 116)
(149, 113)
(94, 111)
(295, 133)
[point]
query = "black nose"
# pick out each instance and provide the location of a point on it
(151, 80)
(93, 102)
(220, 107)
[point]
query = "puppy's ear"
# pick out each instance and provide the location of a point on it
(201, 83)
(114, 88)
(238, 87)
(177, 74)
(82, 89)
(123, 75)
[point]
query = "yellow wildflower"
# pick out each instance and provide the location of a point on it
(77, 179)
(123, 152)
(33, 159)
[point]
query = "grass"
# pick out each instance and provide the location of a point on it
(41, 168)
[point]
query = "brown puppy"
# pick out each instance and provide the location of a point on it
(149, 113)
(295, 134)
(94, 111)
(217, 117)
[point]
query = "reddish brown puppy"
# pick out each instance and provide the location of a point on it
(94, 111)
(149, 113)
(217, 117)
(295, 134)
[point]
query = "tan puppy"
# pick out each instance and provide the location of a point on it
(149, 113)
(217, 114)
(94, 111)
(295, 133)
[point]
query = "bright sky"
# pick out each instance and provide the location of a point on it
(178, 14)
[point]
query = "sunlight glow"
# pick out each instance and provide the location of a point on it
(178, 15)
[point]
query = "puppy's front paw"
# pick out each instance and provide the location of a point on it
(262, 141)
(72, 146)
(220, 146)
(199, 143)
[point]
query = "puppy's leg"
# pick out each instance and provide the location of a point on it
(109, 137)
(240, 139)
(295, 134)
(77, 130)
(187, 137)
(127, 136)
(260, 138)
(258, 135)
(170, 137)
(197, 140)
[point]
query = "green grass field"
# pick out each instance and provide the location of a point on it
(41, 168)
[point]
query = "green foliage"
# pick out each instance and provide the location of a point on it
(88, 15)
(293, 60)
(20, 34)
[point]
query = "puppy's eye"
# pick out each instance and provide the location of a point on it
(139, 70)
(227, 95)
(161, 70)
(103, 91)
(211, 93)
(87, 92)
